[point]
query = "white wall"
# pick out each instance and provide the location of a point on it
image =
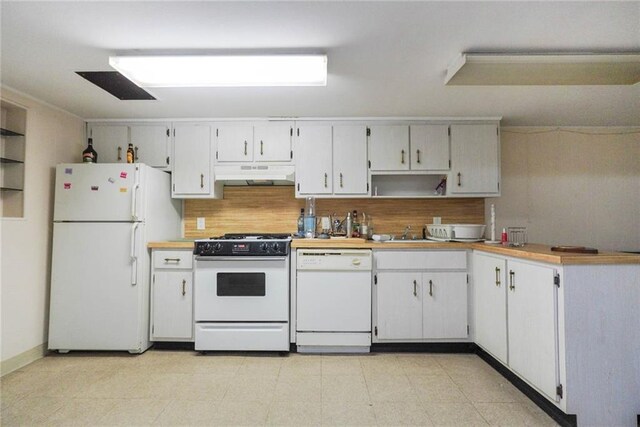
(571, 186)
(53, 136)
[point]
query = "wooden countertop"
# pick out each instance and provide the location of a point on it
(532, 251)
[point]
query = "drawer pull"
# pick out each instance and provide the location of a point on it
(415, 288)
(168, 260)
(418, 154)
(402, 159)
(430, 288)
(498, 276)
(512, 280)
(184, 284)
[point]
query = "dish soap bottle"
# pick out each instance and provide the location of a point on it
(89, 155)
(301, 223)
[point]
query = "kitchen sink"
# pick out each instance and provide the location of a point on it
(410, 241)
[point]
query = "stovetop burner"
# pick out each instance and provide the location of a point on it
(252, 236)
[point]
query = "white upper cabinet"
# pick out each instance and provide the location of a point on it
(110, 142)
(313, 159)
(234, 143)
(429, 147)
(350, 174)
(389, 147)
(475, 159)
(150, 142)
(192, 171)
(272, 142)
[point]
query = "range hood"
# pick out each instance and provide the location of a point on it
(255, 174)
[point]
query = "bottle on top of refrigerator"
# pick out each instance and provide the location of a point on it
(89, 155)
(301, 223)
(130, 154)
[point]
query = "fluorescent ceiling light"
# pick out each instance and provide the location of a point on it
(229, 70)
(544, 69)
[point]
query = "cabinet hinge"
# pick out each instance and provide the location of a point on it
(216, 155)
(368, 131)
(375, 279)
(216, 132)
(291, 131)
(298, 132)
(153, 329)
(298, 186)
(174, 187)
(556, 279)
(168, 132)
(153, 280)
(291, 154)
(174, 133)
(367, 186)
(167, 159)
(375, 331)
(369, 164)
(498, 186)
(559, 391)
(449, 131)
(467, 279)
(449, 164)
(467, 330)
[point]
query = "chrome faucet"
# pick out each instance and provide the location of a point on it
(407, 229)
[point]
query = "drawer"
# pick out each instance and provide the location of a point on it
(163, 259)
(420, 260)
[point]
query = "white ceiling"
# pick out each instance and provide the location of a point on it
(385, 58)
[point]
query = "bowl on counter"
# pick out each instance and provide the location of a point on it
(456, 231)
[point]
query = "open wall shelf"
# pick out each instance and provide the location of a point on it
(13, 126)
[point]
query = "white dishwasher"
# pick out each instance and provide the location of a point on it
(333, 303)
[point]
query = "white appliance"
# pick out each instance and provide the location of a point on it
(104, 216)
(241, 292)
(333, 300)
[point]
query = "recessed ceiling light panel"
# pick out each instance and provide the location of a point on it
(231, 70)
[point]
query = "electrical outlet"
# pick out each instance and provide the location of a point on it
(437, 220)
(200, 223)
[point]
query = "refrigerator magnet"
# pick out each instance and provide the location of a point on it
(94, 188)
(67, 186)
(68, 171)
(123, 189)
(123, 175)
(111, 180)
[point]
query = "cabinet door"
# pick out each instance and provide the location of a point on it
(532, 325)
(172, 306)
(272, 142)
(110, 142)
(399, 305)
(350, 160)
(234, 143)
(191, 159)
(490, 299)
(313, 159)
(150, 144)
(474, 159)
(430, 147)
(389, 147)
(444, 309)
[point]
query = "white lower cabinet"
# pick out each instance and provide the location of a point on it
(415, 301)
(172, 295)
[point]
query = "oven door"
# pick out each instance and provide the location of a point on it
(241, 289)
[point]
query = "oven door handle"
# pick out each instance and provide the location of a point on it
(240, 258)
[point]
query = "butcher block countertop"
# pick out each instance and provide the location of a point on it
(531, 251)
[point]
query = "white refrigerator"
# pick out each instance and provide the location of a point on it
(104, 216)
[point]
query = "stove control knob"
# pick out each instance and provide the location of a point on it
(217, 247)
(264, 247)
(275, 247)
(205, 248)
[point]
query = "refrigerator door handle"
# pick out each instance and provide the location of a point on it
(134, 192)
(134, 258)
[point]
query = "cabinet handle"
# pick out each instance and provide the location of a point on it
(201, 180)
(245, 148)
(136, 153)
(459, 179)
(415, 288)
(497, 276)
(418, 154)
(341, 180)
(402, 159)
(168, 260)
(119, 153)
(184, 284)
(325, 180)
(430, 288)
(261, 148)
(512, 280)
